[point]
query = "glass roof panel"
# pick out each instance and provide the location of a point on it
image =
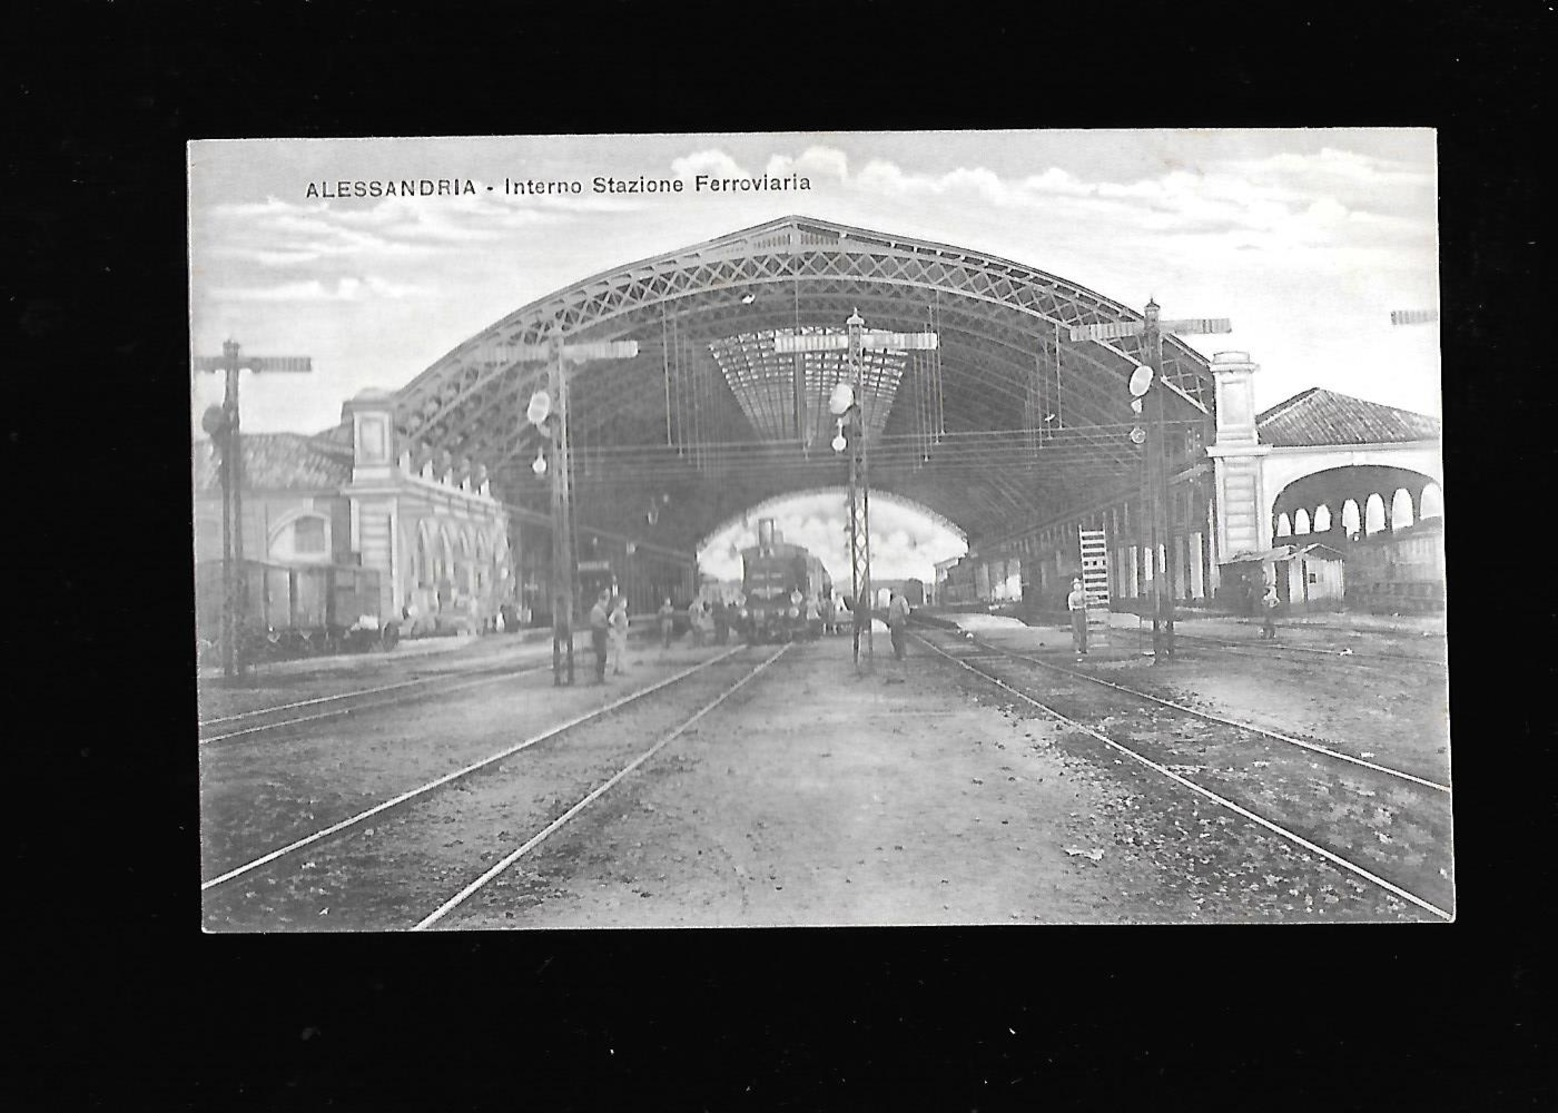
(786, 395)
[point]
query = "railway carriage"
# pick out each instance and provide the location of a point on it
(1398, 572)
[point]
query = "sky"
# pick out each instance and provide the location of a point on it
(1305, 238)
(906, 541)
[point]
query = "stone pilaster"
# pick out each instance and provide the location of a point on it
(1241, 520)
(371, 414)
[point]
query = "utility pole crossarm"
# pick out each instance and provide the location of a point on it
(1111, 331)
(255, 364)
(578, 351)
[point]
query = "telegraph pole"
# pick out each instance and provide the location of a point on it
(221, 423)
(1159, 498)
(551, 416)
(562, 526)
(847, 404)
(860, 494)
(1157, 494)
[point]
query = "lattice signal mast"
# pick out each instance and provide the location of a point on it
(847, 406)
(1146, 388)
(221, 423)
(549, 412)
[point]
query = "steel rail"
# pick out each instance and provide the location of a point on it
(310, 702)
(362, 816)
(242, 715)
(488, 677)
(1260, 820)
(1221, 643)
(561, 820)
(1217, 718)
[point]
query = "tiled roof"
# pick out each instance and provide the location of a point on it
(339, 436)
(274, 462)
(1319, 417)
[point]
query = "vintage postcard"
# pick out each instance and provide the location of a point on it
(901, 528)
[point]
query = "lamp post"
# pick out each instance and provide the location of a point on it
(221, 423)
(548, 412)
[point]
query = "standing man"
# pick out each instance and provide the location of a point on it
(695, 619)
(619, 635)
(1076, 604)
(600, 627)
(721, 621)
(898, 622)
(667, 623)
(1268, 612)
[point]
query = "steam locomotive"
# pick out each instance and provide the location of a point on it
(785, 590)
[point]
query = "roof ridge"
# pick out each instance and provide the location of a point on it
(1278, 408)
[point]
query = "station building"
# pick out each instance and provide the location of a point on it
(452, 556)
(349, 496)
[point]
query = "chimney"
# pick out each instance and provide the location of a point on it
(765, 534)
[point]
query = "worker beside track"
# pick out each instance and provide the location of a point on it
(600, 628)
(1076, 604)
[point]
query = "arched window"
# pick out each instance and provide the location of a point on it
(1401, 509)
(302, 537)
(1284, 526)
(424, 569)
(1352, 522)
(1301, 522)
(1322, 519)
(1374, 514)
(1431, 503)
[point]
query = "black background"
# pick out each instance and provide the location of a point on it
(122, 1003)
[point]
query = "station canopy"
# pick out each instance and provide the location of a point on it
(1005, 425)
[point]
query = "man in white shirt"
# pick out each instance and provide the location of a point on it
(898, 622)
(1076, 603)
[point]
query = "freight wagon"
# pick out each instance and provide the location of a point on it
(291, 611)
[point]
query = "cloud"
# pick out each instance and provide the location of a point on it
(346, 289)
(281, 234)
(713, 162)
(815, 163)
(1277, 203)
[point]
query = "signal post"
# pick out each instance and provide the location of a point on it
(221, 423)
(1147, 391)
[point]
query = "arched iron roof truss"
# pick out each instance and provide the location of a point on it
(1008, 424)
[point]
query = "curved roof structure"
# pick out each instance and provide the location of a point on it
(1007, 423)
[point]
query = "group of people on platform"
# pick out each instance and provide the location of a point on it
(707, 620)
(609, 633)
(1265, 602)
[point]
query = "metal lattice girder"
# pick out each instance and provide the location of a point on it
(1005, 361)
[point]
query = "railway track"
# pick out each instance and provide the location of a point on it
(268, 719)
(1324, 801)
(444, 909)
(323, 842)
(1344, 655)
